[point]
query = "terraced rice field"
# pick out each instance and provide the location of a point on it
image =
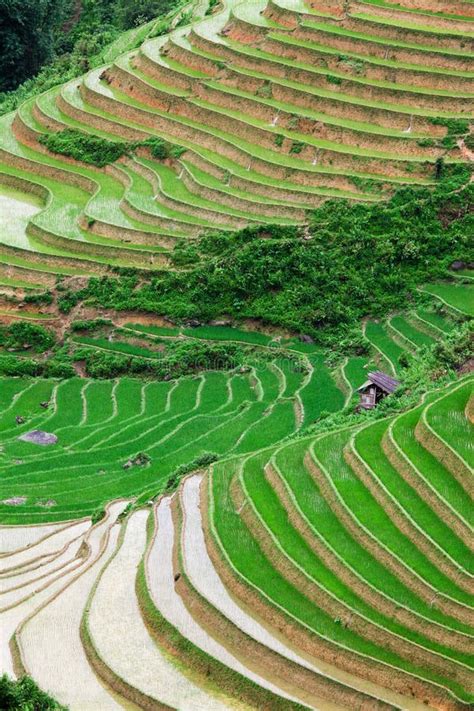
(323, 567)
(325, 572)
(103, 425)
(277, 106)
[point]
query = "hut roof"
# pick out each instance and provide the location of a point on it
(381, 380)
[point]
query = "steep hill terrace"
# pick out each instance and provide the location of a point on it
(329, 571)
(276, 107)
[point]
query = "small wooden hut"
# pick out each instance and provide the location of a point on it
(378, 386)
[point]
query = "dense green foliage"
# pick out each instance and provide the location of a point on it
(23, 336)
(29, 367)
(24, 695)
(90, 324)
(84, 147)
(51, 37)
(180, 358)
(201, 462)
(361, 260)
(99, 151)
(27, 36)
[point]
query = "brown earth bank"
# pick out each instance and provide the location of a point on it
(213, 195)
(422, 77)
(428, 439)
(353, 85)
(447, 605)
(350, 618)
(207, 669)
(159, 72)
(213, 143)
(446, 39)
(432, 498)
(261, 660)
(334, 159)
(308, 642)
(292, 194)
(241, 203)
(401, 14)
(392, 608)
(258, 657)
(401, 520)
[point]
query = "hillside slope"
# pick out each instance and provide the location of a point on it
(257, 113)
(327, 572)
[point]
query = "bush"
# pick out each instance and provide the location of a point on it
(101, 152)
(90, 324)
(297, 147)
(362, 260)
(24, 335)
(181, 358)
(45, 298)
(25, 695)
(198, 463)
(85, 147)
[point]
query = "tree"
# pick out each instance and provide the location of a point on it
(27, 33)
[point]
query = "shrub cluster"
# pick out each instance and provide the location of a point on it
(90, 324)
(198, 463)
(84, 147)
(362, 260)
(24, 695)
(14, 366)
(23, 335)
(181, 358)
(100, 152)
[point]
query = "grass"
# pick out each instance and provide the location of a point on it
(290, 544)
(378, 336)
(356, 370)
(102, 424)
(415, 337)
(320, 395)
(446, 417)
(440, 323)
(368, 445)
(438, 477)
(248, 559)
(310, 502)
(459, 297)
(371, 516)
(104, 344)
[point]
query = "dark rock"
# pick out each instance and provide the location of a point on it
(194, 323)
(20, 420)
(304, 338)
(177, 577)
(44, 404)
(457, 265)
